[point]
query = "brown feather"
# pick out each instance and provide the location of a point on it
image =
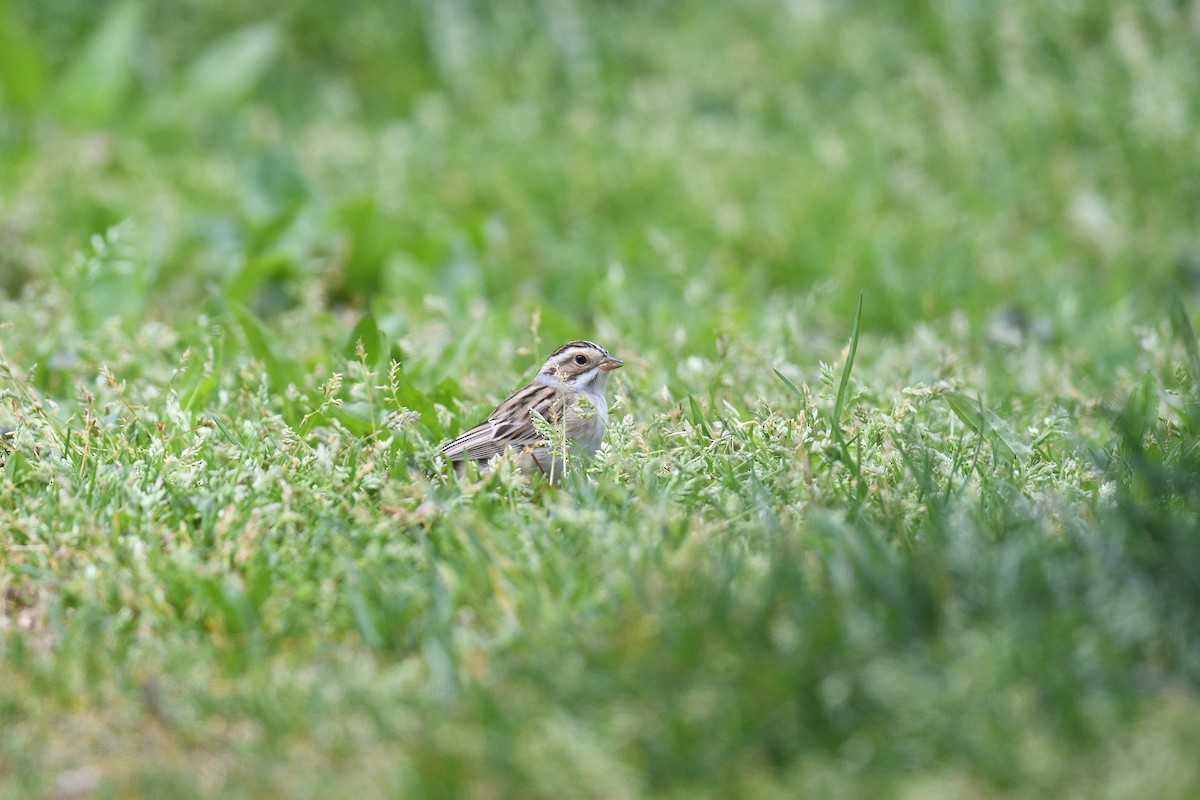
(494, 435)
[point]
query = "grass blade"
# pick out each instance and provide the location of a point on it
(698, 416)
(840, 403)
(790, 385)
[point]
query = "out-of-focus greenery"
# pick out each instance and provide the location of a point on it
(256, 264)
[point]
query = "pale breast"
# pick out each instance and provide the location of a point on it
(586, 423)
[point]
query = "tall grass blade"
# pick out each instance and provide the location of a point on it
(698, 416)
(788, 383)
(844, 384)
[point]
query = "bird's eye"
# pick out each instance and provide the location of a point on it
(581, 359)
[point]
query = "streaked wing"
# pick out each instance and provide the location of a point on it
(478, 443)
(510, 425)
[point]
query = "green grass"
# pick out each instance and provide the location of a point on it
(901, 496)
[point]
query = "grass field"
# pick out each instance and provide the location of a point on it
(901, 496)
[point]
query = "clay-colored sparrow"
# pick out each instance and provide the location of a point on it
(568, 392)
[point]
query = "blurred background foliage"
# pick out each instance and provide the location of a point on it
(600, 158)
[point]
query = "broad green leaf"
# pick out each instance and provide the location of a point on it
(281, 369)
(371, 236)
(244, 282)
(415, 399)
(232, 67)
(367, 331)
(99, 77)
(987, 423)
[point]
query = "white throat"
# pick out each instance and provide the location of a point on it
(593, 383)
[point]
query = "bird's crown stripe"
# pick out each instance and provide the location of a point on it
(581, 344)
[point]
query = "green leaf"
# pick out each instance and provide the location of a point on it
(987, 423)
(844, 384)
(245, 281)
(789, 384)
(204, 387)
(230, 69)
(357, 424)
(372, 237)
(367, 330)
(99, 77)
(13, 465)
(414, 399)
(698, 416)
(282, 370)
(222, 76)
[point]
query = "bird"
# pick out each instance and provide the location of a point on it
(569, 393)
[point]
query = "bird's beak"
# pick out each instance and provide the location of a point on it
(609, 363)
